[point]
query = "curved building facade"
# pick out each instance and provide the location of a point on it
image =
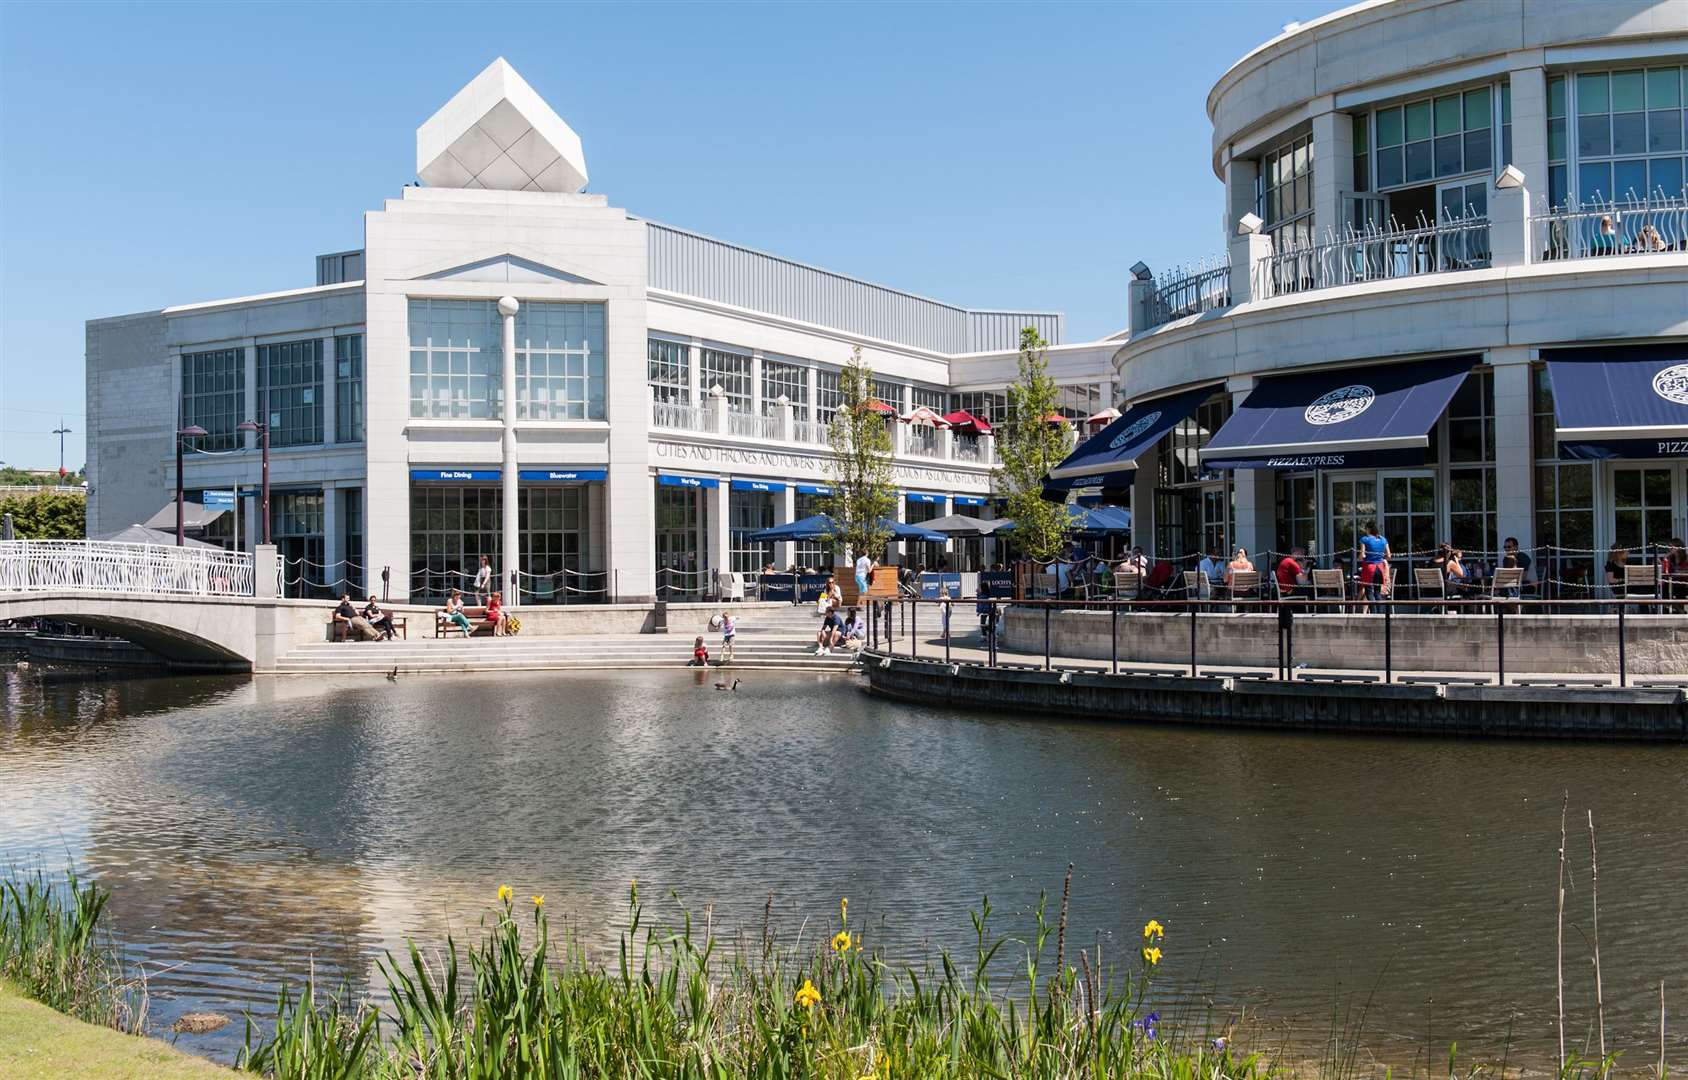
(1452, 296)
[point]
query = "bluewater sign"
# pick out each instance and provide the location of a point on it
(967, 500)
(813, 489)
(562, 476)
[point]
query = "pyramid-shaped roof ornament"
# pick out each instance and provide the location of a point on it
(498, 133)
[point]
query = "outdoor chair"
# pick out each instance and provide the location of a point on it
(1641, 581)
(1192, 585)
(1329, 585)
(1430, 584)
(1128, 584)
(1245, 584)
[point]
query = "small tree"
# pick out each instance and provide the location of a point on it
(863, 491)
(48, 515)
(1029, 445)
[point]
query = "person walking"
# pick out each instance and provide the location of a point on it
(729, 630)
(864, 571)
(483, 581)
(1374, 554)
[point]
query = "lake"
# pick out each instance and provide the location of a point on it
(250, 829)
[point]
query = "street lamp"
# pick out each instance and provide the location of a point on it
(192, 431)
(263, 431)
(61, 431)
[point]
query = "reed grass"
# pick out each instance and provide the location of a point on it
(52, 950)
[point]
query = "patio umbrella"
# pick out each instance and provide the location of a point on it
(924, 415)
(141, 534)
(1106, 416)
(962, 419)
(962, 526)
(820, 527)
(1091, 522)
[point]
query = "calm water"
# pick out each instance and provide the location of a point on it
(249, 829)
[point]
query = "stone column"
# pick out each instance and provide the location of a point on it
(507, 307)
(694, 361)
(785, 510)
(1333, 165)
(332, 570)
(328, 390)
(720, 528)
(1143, 501)
(1514, 458)
(251, 395)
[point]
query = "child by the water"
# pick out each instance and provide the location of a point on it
(728, 629)
(700, 652)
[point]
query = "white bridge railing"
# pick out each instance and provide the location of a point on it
(139, 569)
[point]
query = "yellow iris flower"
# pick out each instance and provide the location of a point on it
(1152, 956)
(807, 995)
(1153, 929)
(505, 893)
(538, 901)
(841, 942)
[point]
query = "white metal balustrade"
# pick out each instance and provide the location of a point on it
(137, 569)
(1375, 254)
(751, 426)
(665, 414)
(1595, 230)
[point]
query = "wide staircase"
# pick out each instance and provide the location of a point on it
(770, 637)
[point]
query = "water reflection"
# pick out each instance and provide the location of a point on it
(252, 828)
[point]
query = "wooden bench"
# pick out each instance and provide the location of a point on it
(341, 631)
(444, 627)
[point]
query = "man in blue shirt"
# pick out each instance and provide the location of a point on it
(1374, 563)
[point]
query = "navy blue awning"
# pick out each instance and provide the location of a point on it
(1114, 449)
(1618, 402)
(1342, 418)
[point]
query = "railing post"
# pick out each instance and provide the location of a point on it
(1113, 635)
(1046, 611)
(1500, 644)
(1193, 606)
(944, 607)
(1388, 643)
(913, 629)
(264, 568)
(1623, 661)
(995, 617)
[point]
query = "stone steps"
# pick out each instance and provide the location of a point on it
(584, 652)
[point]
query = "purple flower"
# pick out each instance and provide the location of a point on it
(1220, 1043)
(1148, 1025)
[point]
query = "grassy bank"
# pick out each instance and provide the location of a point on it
(38, 1043)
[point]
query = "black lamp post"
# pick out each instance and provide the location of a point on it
(263, 431)
(192, 431)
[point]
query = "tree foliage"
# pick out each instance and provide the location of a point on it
(48, 515)
(864, 492)
(1028, 446)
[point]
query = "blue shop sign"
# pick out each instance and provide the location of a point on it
(671, 480)
(563, 476)
(967, 500)
(923, 497)
(455, 474)
(773, 486)
(813, 489)
(217, 500)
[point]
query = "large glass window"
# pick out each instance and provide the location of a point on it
(214, 396)
(352, 571)
(456, 351)
(553, 530)
(296, 528)
(811, 554)
(827, 396)
(1630, 135)
(889, 392)
(750, 511)
(931, 398)
(990, 406)
(348, 388)
(1079, 402)
(1564, 503)
(290, 391)
(1284, 193)
(450, 529)
(1433, 139)
(731, 372)
(560, 361)
(679, 559)
(669, 371)
(788, 380)
(1298, 513)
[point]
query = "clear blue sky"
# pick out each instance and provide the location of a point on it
(990, 155)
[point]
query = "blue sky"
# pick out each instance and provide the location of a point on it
(991, 155)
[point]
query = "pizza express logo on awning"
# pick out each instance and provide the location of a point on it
(1343, 403)
(1135, 430)
(1672, 384)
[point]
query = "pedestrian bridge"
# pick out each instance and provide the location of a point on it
(196, 607)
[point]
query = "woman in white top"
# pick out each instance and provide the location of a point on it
(483, 581)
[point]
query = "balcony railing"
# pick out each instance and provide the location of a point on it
(1598, 230)
(968, 448)
(751, 426)
(807, 431)
(1375, 254)
(666, 414)
(1191, 290)
(921, 441)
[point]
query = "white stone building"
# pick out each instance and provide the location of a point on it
(1475, 205)
(671, 390)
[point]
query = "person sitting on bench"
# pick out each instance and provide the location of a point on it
(354, 623)
(495, 614)
(454, 612)
(379, 619)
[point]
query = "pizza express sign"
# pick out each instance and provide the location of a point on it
(788, 464)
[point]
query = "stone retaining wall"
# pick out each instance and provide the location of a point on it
(1560, 644)
(1659, 715)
